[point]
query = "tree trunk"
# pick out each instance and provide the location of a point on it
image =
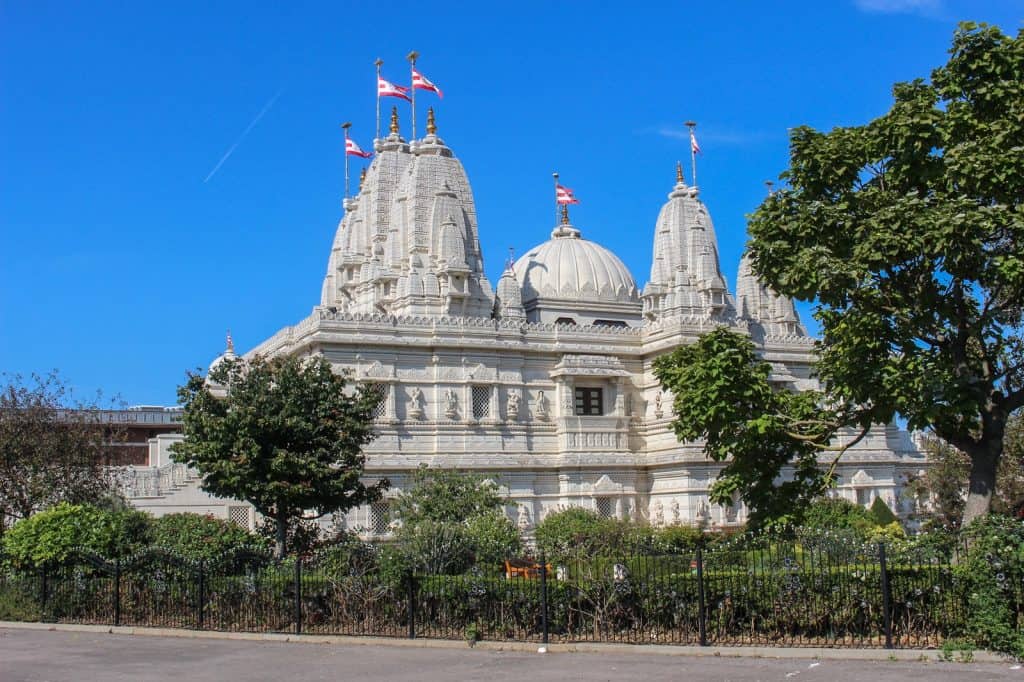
(281, 534)
(982, 481)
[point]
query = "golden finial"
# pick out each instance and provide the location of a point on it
(565, 214)
(679, 171)
(230, 343)
(394, 120)
(362, 178)
(431, 125)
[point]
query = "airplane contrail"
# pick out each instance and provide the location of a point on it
(231, 149)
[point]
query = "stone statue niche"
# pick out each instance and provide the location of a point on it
(451, 404)
(512, 407)
(541, 406)
(414, 407)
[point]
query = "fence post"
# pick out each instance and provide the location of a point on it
(702, 624)
(45, 589)
(544, 598)
(886, 609)
(117, 591)
(201, 612)
(298, 594)
(410, 596)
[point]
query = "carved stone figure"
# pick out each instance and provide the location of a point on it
(658, 514)
(512, 412)
(659, 408)
(451, 402)
(675, 511)
(703, 513)
(523, 521)
(541, 406)
(415, 404)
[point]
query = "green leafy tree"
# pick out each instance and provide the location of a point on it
(283, 434)
(450, 517)
(721, 395)
(446, 495)
(907, 232)
(943, 486)
(53, 447)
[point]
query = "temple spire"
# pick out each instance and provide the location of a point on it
(565, 214)
(394, 120)
(431, 123)
(229, 343)
(679, 172)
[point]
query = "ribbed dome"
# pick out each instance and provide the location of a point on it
(569, 267)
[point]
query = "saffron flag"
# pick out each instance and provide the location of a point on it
(564, 195)
(420, 82)
(694, 147)
(389, 89)
(352, 149)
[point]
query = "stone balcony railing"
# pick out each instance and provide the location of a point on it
(136, 482)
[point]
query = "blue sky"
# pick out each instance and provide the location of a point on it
(125, 256)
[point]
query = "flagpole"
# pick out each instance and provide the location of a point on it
(412, 87)
(379, 63)
(345, 126)
(555, 176)
(693, 152)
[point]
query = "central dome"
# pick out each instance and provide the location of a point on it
(574, 280)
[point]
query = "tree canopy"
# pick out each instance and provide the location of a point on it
(286, 436)
(446, 495)
(907, 234)
(53, 447)
(722, 395)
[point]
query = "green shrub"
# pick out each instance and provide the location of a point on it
(51, 535)
(433, 547)
(16, 601)
(676, 539)
(838, 514)
(493, 538)
(195, 536)
(880, 513)
(992, 570)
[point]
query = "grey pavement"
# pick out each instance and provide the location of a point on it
(47, 656)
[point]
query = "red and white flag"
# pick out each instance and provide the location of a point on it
(352, 149)
(694, 147)
(389, 89)
(564, 195)
(420, 82)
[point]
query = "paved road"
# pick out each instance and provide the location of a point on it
(41, 656)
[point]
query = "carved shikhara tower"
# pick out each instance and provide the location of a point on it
(544, 385)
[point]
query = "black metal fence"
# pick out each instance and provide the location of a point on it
(816, 590)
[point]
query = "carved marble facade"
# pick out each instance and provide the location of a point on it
(545, 384)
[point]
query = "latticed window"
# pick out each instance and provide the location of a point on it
(380, 518)
(481, 401)
(605, 507)
(239, 516)
(589, 402)
(380, 408)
